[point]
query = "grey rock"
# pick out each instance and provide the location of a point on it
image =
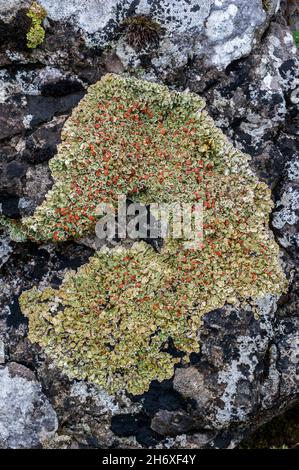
(38, 183)
(27, 417)
(291, 13)
(218, 31)
(33, 105)
(286, 214)
(229, 28)
(245, 365)
(41, 145)
(256, 101)
(10, 123)
(2, 352)
(5, 248)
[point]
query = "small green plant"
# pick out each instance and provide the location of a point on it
(266, 4)
(36, 33)
(296, 37)
(141, 31)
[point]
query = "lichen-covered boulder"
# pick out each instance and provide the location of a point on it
(286, 215)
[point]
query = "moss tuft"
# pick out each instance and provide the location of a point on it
(36, 33)
(141, 31)
(110, 322)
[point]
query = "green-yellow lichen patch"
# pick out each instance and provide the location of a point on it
(296, 37)
(36, 33)
(110, 323)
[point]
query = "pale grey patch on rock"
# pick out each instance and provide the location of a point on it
(27, 417)
(103, 401)
(261, 103)
(88, 15)
(292, 168)
(26, 206)
(127, 55)
(270, 387)
(289, 358)
(38, 182)
(220, 32)
(27, 121)
(28, 82)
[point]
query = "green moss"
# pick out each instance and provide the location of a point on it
(296, 37)
(36, 33)
(110, 322)
(266, 4)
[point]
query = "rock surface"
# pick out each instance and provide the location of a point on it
(27, 417)
(241, 57)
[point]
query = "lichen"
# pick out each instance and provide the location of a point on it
(36, 33)
(111, 322)
(14, 227)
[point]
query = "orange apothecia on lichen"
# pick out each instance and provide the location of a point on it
(111, 321)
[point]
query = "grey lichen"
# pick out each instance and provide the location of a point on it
(266, 4)
(36, 33)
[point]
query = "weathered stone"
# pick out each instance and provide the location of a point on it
(243, 60)
(255, 99)
(10, 123)
(233, 378)
(27, 417)
(219, 31)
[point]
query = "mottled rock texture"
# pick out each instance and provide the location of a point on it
(27, 417)
(240, 56)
